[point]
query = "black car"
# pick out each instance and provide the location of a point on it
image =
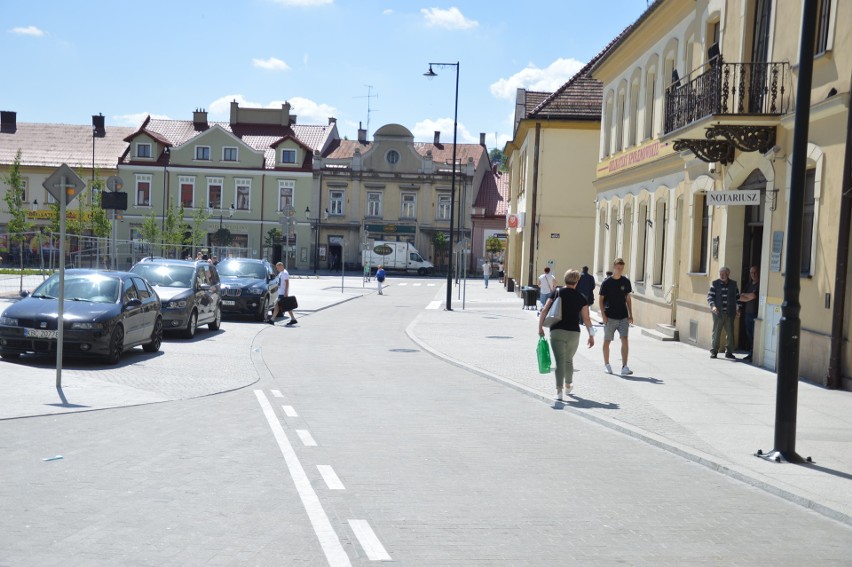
(104, 314)
(249, 287)
(189, 291)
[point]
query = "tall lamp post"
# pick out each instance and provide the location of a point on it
(166, 156)
(315, 224)
(431, 74)
(219, 235)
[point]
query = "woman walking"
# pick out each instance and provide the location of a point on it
(565, 335)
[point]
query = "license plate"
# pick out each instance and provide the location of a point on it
(227, 302)
(41, 333)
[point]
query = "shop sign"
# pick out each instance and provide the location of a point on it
(722, 198)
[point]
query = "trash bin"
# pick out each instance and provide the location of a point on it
(510, 284)
(530, 294)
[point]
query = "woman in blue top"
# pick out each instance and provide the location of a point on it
(380, 278)
(565, 335)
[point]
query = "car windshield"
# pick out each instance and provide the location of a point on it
(93, 288)
(242, 270)
(165, 275)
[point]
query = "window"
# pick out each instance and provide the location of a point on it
(650, 103)
(392, 157)
(187, 191)
(633, 124)
(214, 192)
(143, 190)
(808, 222)
(143, 150)
(288, 156)
(229, 154)
(823, 29)
(619, 122)
(659, 242)
(285, 193)
(443, 207)
(24, 186)
(202, 153)
(642, 244)
(242, 189)
(409, 206)
(701, 234)
(374, 204)
(335, 204)
(608, 125)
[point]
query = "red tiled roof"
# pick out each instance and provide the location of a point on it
(51, 145)
(578, 99)
(532, 100)
(493, 195)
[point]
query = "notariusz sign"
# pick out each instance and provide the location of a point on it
(720, 198)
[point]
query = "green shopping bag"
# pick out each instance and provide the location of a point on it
(543, 352)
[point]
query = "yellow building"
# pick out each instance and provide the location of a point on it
(551, 158)
(694, 165)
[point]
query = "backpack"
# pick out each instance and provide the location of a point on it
(380, 275)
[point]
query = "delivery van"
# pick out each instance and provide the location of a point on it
(401, 256)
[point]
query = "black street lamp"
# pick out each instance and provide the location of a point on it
(219, 233)
(166, 156)
(431, 74)
(315, 224)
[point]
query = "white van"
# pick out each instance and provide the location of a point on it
(396, 256)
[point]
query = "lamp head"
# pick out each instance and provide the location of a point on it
(307, 211)
(430, 74)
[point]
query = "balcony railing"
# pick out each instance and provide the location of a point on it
(720, 88)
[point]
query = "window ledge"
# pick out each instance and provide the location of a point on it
(696, 273)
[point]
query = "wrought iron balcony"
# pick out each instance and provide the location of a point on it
(728, 89)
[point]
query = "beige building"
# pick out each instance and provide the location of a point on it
(551, 159)
(393, 188)
(694, 165)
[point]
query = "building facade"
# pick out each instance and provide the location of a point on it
(694, 165)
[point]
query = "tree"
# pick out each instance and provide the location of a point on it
(440, 243)
(197, 229)
(149, 230)
(497, 155)
(493, 246)
(18, 224)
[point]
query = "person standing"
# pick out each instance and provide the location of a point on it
(722, 299)
(586, 285)
(283, 292)
(546, 286)
(617, 312)
(486, 273)
(565, 335)
(750, 299)
(380, 278)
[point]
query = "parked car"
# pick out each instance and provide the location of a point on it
(189, 291)
(249, 287)
(104, 314)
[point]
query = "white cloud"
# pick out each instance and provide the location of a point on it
(387, 12)
(29, 30)
(307, 111)
(306, 3)
(424, 131)
(451, 19)
(135, 120)
(271, 64)
(532, 78)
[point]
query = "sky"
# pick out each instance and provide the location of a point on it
(65, 61)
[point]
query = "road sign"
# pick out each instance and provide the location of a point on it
(114, 183)
(64, 184)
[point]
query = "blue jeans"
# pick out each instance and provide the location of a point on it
(485, 277)
(543, 297)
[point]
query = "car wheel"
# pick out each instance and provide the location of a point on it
(421, 271)
(10, 355)
(264, 308)
(189, 331)
(217, 320)
(116, 345)
(156, 337)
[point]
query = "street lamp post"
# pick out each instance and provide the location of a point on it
(431, 74)
(231, 211)
(166, 156)
(315, 224)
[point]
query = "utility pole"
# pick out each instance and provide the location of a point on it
(370, 110)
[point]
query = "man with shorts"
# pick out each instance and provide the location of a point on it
(617, 311)
(283, 292)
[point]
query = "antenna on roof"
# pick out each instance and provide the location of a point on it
(368, 96)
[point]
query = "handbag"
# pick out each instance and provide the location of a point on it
(543, 353)
(555, 313)
(289, 303)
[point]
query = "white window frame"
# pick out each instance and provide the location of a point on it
(143, 178)
(139, 146)
(214, 182)
(289, 151)
(242, 202)
(408, 206)
(236, 154)
(186, 180)
(442, 211)
(200, 149)
(24, 190)
(286, 193)
(374, 204)
(336, 202)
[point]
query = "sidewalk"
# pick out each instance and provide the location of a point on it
(715, 412)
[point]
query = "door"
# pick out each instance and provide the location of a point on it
(148, 307)
(134, 320)
(759, 55)
(752, 240)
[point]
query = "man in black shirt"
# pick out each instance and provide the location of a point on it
(749, 299)
(722, 299)
(617, 312)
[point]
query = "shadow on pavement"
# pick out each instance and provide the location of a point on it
(582, 403)
(827, 470)
(649, 379)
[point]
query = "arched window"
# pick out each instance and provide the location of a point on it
(660, 216)
(607, 125)
(650, 102)
(619, 118)
(641, 242)
(633, 134)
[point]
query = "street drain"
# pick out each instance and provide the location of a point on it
(404, 350)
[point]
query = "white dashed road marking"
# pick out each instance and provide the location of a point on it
(289, 411)
(368, 540)
(402, 284)
(330, 477)
(277, 393)
(328, 539)
(305, 436)
(435, 304)
(417, 285)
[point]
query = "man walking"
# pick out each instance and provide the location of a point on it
(486, 272)
(617, 311)
(546, 285)
(749, 298)
(283, 294)
(586, 286)
(722, 299)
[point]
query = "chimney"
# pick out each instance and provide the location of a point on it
(98, 129)
(332, 120)
(482, 139)
(234, 113)
(8, 121)
(437, 140)
(362, 134)
(199, 119)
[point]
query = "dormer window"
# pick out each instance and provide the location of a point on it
(229, 154)
(202, 153)
(288, 156)
(143, 151)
